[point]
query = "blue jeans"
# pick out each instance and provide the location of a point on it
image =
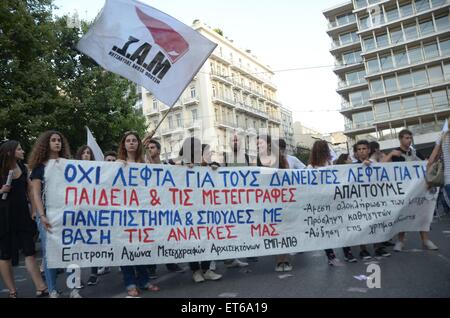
(135, 276)
(50, 274)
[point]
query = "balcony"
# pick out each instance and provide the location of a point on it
(394, 22)
(193, 125)
(417, 89)
(347, 107)
(222, 100)
(341, 67)
(335, 28)
(225, 123)
(166, 131)
(359, 127)
(363, 7)
(191, 101)
(347, 86)
(251, 110)
(337, 46)
(218, 57)
(222, 78)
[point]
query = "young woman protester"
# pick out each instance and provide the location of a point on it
(271, 157)
(17, 227)
(321, 158)
(136, 277)
(50, 145)
(85, 153)
(192, 154)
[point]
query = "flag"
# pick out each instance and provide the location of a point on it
(146, 46)
(92, 143)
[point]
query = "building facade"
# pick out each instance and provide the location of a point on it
(287, 129)
(233, 92)
(393, 64)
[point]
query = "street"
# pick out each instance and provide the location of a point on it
(414, 273)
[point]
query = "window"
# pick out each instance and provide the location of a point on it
(386, 62)
(421, 5)
(155, 104)
(431, 50)
(442, 23)
(381, 111)
(401, 58)
(437, 3)
(170, 120)
(377, 19)
(364, 23)
(391, 84)
(193, 93)
(411, 32)
(440, 99)
(435, 74)
(409, 105)
(369, 44)
(420, 77)
(355, 77)
(424, 102)
(352, 57)
(415, 55)
(445, 47)
(382, 40)
(406, 9)
(194, 114)
(426, 27)
(377, 87)
(373, 66)
(392, 14)
(345, 38)
(396, 36)
(359, 98)
(405, 80)
(178, 118)
(395, 106)
(447, 71)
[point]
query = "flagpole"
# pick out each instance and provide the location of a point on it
(153, 132)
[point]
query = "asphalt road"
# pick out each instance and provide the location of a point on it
(410, 274)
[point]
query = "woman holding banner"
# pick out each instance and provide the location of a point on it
(271, 157)
(320, 157)
(50, 145)
(192, 153)
(17, 228)
(131, 150)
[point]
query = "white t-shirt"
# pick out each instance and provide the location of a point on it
(295, 163)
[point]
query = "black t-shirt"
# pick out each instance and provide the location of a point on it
(38, 174)
(410, 155)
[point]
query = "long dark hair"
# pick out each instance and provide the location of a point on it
(320, 154)
(272, 148)
(342, 160)
(41, 148)
(122, 153)
(7, 158)
(81, 150)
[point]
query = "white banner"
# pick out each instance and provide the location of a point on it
(108, 214)
(146, 46)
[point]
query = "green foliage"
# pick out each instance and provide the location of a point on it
(47, 84)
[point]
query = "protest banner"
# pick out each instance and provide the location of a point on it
(111, 214)
(146, 46)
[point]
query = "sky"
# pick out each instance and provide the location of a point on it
(284, 34)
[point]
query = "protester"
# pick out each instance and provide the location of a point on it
(405, 153)
(294, 162)
(375, 154)
(269, 156)
(17, 228)
(362, 150)
(320, 157)
(131, 150)
(110, 156)
(50, 145)
(191, 155)
(154, 157)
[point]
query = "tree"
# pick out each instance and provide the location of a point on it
(46, 84)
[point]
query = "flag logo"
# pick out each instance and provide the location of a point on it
(167, 38)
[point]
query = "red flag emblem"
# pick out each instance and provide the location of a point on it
(166, 37)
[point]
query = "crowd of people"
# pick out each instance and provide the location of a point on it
(23, 214)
